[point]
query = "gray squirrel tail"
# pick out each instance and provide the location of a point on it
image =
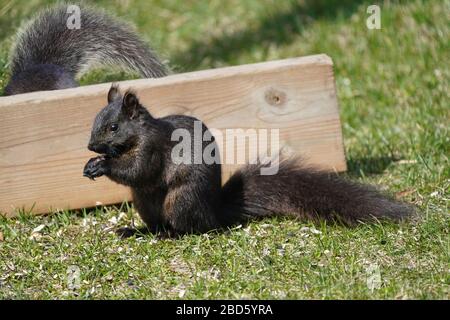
(49, 53)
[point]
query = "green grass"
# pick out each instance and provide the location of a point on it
(393, 87)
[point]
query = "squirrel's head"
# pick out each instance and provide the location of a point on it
(118, 126)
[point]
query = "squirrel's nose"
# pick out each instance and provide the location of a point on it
(97, 147)
(92, 146)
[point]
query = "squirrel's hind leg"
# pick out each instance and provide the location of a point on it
(161, 234)
(185, 214)
(127, 232)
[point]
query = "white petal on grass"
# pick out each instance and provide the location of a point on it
(310, 229)
(113, 220)
(11, 266)
(181, 293)
(35, 236)
(266, 251)
(404, 161)
(38, 228)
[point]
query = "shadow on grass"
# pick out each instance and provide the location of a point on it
(278, 28)
(367, 166)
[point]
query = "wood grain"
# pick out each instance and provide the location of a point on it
(43, 136)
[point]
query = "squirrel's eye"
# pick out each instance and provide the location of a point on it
(114, 127)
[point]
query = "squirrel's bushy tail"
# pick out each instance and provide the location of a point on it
(304, 192)
(47, 45)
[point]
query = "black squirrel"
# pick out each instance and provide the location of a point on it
(136, 149)
(48, 55)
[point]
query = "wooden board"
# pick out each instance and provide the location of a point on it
(43, 136)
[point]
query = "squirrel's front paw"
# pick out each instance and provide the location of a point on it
(95, 167)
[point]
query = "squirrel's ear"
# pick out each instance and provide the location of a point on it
(113, 93)
(129, 104)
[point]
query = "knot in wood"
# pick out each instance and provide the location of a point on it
(275, 97)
